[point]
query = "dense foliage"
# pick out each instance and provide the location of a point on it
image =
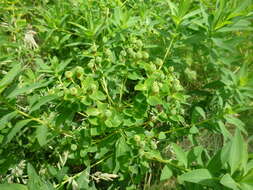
(114, 94)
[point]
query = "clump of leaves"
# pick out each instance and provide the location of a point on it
(100, 94)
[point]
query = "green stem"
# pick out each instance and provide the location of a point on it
(104, 85)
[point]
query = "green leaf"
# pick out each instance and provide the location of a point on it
(140, 87)
(83, 180)
(226, 134)
(98, 95)
(60, 67)
(93, 111)
(19, 125)
(9, 77)
(154, 100)
(27, 89)
(5, 119)
(42, 101)
(199, 176)
(41, 134)
(13, 187)
(236, 152)
(166, 173)
(244, 186)
(162, 136)
(237, 122)
(215, 164)
(248, 178)
(35, 182)
(229, 182)
(181, 155)
(201, 112)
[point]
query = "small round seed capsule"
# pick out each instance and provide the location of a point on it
(155, 87)
(152, 67)
(139, 43)
(145, 55)
(123, 53)
(79, 71)
(153, 145)
(98, 59)
(142, 144)
(94, 48)
(73, 91)
(108, 52)
(139, 55)
(73, 147)
(93, 87)
(68, 74)
(137, 138)
(171, 68)
(134, 40)
(108, 113)
(159, 62)
(173, 112)
(91, 63)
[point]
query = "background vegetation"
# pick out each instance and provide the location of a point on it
(134, 94)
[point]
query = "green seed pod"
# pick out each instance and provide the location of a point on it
(159, 62)
(73, 91)
(91, 64)
(162, 76)
(152, 67)
(73, 147)
(68, 74)
(93, 87)
(176, 82)
(160, 84)
(139, 43)
(137, 138)
(93, 48)
(108, 113)
(51, 91)
(98, 59)
(153, 145)
(131, 52)
(142, 144)
(145, 55)
(123, 53)
(155, 87)
(79, 71)
(190, 74)
(173, 111)
(108, 52)
(134, 40)
(171, 69)
(139, 55)
(105, 39)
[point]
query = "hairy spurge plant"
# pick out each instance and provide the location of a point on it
(118, 94)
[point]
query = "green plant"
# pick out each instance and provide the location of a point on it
(103, 94)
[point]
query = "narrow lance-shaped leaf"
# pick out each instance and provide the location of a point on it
(42, 101)
(15, 130)
(236, 152)
(9, 77)
(199, 176)
(41, 134)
